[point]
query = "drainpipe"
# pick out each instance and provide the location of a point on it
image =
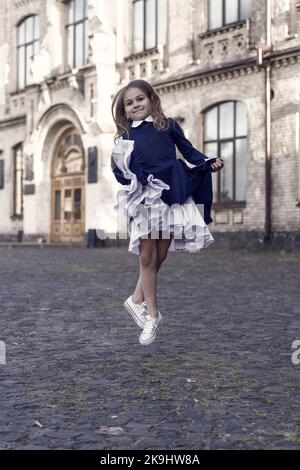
(268, 178)
(297, 153)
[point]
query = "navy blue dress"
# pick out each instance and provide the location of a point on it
(155, 153)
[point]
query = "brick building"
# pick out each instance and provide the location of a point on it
(228, 70)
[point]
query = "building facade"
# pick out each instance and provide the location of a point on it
(227, 70)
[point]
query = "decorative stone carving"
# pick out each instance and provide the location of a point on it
(209, 50)
(223, 47)
(143, 65)
(224, 44)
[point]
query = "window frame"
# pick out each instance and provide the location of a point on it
(25, 45)
(16, 149)
(224, 24)
(144, 48)
(219, 203)
(74, 24)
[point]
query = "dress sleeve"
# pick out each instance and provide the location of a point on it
(185, 147)
(119, 176)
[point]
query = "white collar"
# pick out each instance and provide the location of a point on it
(137, 123)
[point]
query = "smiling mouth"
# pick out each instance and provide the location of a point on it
(138, 111)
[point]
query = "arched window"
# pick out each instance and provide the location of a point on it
(149, 24)
(28, 45)
(77, 33)
(223, 12)
(18, 180)
(225, 135)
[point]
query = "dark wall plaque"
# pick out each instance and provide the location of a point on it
(29, 189)
(92, 164)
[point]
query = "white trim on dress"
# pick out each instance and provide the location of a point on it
(151, 214)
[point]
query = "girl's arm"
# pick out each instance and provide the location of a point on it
(112, 163)
(119, 176)
(118, 173)
(185, 147)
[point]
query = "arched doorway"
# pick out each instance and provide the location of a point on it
(67, 193)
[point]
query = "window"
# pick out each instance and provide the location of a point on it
(57, 205)
(225, 135)
(93, 101)
(224, 12)
(77, 203)
(69, 153)
(28, 45)
(149, 24)
(18, 181)
(77, 33)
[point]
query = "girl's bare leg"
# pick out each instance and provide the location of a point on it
(138, 295)
(162, 252)
(148, 273)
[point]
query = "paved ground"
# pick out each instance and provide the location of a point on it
(218, 376)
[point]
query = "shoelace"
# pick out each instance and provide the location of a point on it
(148, 325)
(143, 308)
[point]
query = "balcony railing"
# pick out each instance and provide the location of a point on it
(143, 65)
(226, 44)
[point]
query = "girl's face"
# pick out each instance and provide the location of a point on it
(137, 105)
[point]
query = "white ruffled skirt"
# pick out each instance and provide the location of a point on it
(149, 215)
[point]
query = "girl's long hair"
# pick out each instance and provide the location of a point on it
(118, 110)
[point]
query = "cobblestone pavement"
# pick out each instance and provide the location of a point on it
(218, 376)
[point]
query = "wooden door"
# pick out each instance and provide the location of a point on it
(68, 195)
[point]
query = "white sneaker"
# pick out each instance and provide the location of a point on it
(137, 311)
(148, 334)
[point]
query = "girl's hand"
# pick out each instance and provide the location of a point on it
(112, 163)
(218, 165)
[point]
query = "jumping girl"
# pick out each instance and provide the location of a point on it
(162, 196)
